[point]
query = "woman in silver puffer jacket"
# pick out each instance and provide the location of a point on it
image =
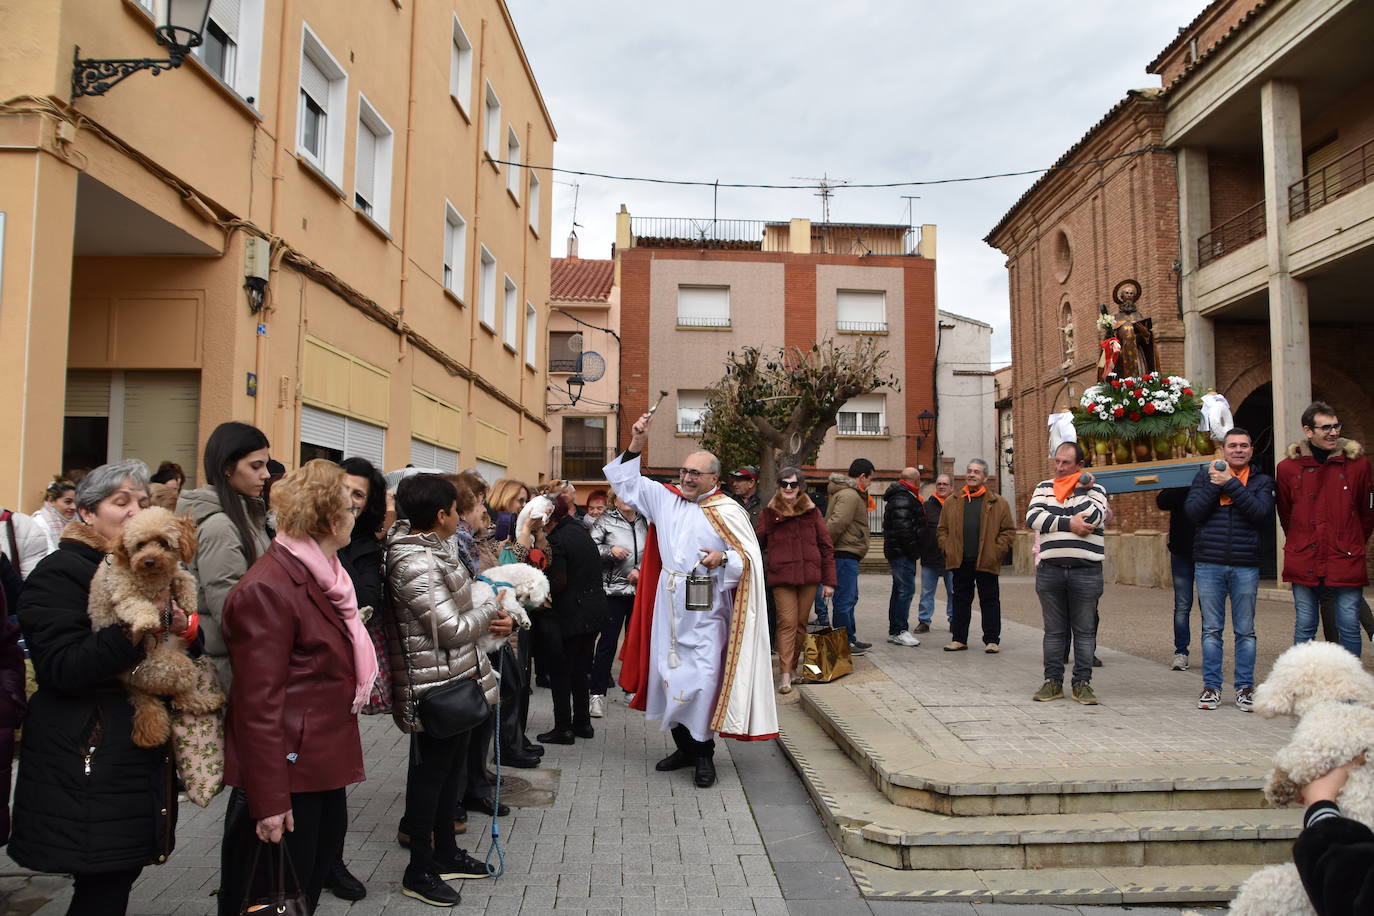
(432, 633)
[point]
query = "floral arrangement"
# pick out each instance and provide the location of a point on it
(1137, 408)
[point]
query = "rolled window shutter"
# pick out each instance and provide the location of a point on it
(315, 83)
(367, 161)
(322, 428)
(88, 394)
(162, 417)
(364, 440)
(226, 16)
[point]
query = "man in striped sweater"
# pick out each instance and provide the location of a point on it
(1069, 513)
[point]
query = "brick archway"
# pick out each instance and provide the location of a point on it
(1328, 384)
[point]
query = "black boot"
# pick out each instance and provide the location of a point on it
(342, 884)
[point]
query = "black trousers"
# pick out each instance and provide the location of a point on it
(690, 746)
(516, 687)
(569, 665)
(966, 578)
(476, 779)
(619, 607)
(434, 781)
(316, 844)
(104, 893)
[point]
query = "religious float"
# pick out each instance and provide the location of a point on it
(1140, 428)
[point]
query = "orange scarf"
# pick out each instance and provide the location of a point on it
(1064, 486)
(938, 498)
(1243, 475)
(974, 494)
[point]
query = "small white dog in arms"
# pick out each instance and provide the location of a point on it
(1333, 696)
(523, 586)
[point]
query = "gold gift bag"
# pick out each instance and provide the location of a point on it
(827, 655)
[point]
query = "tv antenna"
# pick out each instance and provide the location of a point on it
(826, 190)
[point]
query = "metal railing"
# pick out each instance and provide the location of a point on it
(1318, 188)
(689, 429)
(862, 431)
(558, 364)
(686, 322)
(1239, 230)
(580, 462)
(862, 327)
(842, 238)
(685, 232)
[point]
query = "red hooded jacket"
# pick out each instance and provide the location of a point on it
(1327, 512)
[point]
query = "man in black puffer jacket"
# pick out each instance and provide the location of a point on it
(1230, 505)
(904, 520)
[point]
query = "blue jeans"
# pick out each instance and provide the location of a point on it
(846, 594)
(1182, 569)
(1305, 599)
(930, 580)
(822, 610)
(1215, 582)
(903, 590)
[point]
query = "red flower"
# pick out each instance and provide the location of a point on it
(1140, 392)
(1116, 383)
(1150, 408)
(1135, 415)
(1119, 412)
(1188, 391)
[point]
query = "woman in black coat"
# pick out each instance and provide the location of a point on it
(567, 631)
(88, 801)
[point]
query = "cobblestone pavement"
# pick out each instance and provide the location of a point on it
(619, 837)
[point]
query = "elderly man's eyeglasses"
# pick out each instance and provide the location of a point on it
(1327, 428)
(693, 473)
(789, 484)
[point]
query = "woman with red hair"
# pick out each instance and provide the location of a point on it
(566, 633)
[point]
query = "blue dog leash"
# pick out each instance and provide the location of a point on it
(495, 846)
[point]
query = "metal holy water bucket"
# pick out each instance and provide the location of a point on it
(699, 590)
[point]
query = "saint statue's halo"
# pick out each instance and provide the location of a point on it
(1116, 291)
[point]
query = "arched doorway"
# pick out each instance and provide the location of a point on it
(1256, 414)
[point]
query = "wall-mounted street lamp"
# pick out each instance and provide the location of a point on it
(182, 29)
(575, 384)
(925, 422)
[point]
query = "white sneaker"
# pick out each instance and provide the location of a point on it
(1180, 662)
(598, 705)
(904, 638)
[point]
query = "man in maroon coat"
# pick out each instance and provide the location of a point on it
(1326, 507)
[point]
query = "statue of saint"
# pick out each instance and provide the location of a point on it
(1128, 344)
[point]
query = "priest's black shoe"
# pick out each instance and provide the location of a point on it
(674, 761)
(342, 884)
(557, 737)
(584, 731)
(484, 805)
(521, 760)
(705, 775)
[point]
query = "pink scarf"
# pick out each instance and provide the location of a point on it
(338, 588)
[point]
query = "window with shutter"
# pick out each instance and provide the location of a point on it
(703, 306)
(533, 202)
(325, 434)
(513, 176)
(531, 334)
(426, 455)
(491, 128)
(460, 68)
(323, 104)
(864, 415)
(860, 310)
(691, 410)
(162, 418)
(367, 168)
(455, 250)
(486, 310)
(509, 329)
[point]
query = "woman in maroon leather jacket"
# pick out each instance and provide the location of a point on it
(303, 667)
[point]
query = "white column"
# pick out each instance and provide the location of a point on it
(1194, 220)
(1289, 348)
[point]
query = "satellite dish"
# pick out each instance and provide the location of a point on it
(591, 366)
(575, 343)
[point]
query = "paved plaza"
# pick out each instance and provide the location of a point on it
(617, 837)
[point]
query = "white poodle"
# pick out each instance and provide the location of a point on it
(524, 587)
(1333, 697)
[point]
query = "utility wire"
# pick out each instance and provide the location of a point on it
(850, 185)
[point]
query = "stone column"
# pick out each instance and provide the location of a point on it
(1289, 345)
(1194, 220)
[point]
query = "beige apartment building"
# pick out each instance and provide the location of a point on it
(694, 290)
(584, 369)
(307, 226)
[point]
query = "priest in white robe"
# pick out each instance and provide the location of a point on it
(705, 672)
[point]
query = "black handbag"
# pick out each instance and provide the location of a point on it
(278, 902)
(453, 708)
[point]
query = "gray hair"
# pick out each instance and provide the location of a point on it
(104, 480)
(980, 461)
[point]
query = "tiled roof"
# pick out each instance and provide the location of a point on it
(1206, 54)
(1131, 96)
(1184, 32)
(576, 280)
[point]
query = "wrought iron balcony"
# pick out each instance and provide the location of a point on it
(712, 322)
(1239, 230)
(862, 327)
(862, 431)
(1318, 188)
(684, 232)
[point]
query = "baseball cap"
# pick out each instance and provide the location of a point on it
(748, 472)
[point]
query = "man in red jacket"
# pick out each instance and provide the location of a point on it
(1326, 507)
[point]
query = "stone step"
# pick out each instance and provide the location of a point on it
(1130, 857)
(908, 774)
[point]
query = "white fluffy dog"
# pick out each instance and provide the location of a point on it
(540, 506)
(524, 587)
(1333, 696)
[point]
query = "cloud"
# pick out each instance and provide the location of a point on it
(763, 92)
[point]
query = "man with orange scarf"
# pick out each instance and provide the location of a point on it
(1069, 513)
(975, 533)
(1231, 502)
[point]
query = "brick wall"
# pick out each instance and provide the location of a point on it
(1211, 24)
(1234, 182)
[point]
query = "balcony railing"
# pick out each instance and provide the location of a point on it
(862, 327)
(684, 321)
(689, 429)
(861, 431)
(1318, 188)
(684, 232)
(580, 462)
(1239, 230)
(558, 364)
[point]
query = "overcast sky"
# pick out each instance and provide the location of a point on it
(757, 91)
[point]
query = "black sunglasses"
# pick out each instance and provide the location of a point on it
(789, 484)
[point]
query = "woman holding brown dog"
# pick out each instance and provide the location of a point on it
(304, 666)
(89, 801)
